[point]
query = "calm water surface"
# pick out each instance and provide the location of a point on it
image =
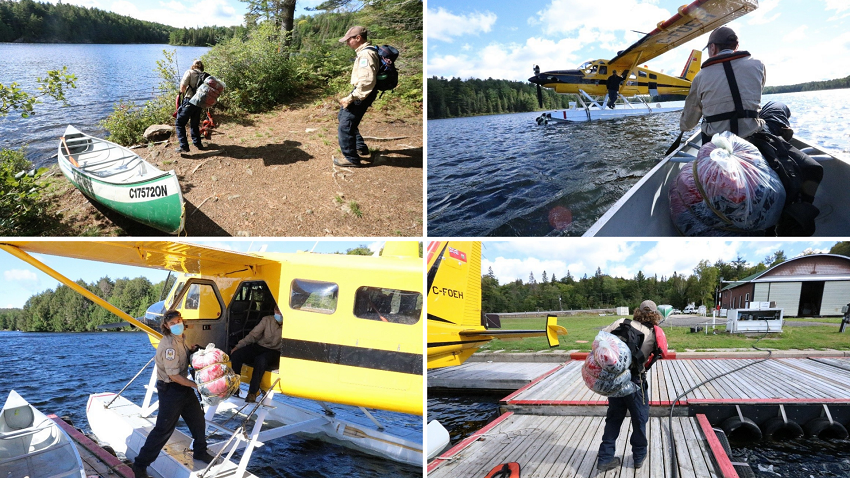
(56, 372)
(506, 176)
(105, 74)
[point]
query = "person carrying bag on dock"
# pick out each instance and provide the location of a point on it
(640, 335)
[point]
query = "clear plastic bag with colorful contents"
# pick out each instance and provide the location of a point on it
(729, 190)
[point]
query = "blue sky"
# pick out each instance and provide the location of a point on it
(621, 258)
(19, 280)
(183, 13)
(798, 40)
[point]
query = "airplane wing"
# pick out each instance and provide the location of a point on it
(693, 20)
(173, 256)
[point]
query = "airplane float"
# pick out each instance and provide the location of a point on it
(352, 335)
(588, 81)
(456, 326)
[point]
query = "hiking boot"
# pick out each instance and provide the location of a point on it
(346, 162)
(200, 147)
(364, 154)
(639, 462)
(251, 398)
(203, 456)
(610, 465)
(140, 471)
(181, 149)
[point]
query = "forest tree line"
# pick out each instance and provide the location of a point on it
(64, 310)
(809, 86)
(42, 22)
(546, 292)
(455, 97)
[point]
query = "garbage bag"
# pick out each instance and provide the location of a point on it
(606, 369)
(208, 93)
(207, 356)
(220, 389)
(212, 372)
(729, 190)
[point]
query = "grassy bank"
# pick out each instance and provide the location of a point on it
(583, 329)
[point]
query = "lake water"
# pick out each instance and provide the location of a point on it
(105, 74)
(56, 372)
(504, 175)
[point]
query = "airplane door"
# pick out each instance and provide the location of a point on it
(201, 306)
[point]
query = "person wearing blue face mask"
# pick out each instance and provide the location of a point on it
(176, 397)
(261, 349)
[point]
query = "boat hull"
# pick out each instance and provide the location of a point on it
(592, 113)
(644, 211)
(154, 201)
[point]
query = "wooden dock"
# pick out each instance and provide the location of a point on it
(776, 381)
(98, 462)
(566, 447)
(488, 375)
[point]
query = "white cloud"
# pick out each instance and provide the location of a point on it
(671, 255)
(796, 34)
(783, 61)
(444, 25)
(174, 6)
(566, 16)
(20, 275)
(214, 12)
(760, 16)
(837, 5)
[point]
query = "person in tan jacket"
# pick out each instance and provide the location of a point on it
(261, 349)
(713, 91)
(364, 77)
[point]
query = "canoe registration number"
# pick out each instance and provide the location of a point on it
(148, 192)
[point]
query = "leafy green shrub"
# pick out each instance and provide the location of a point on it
(257, 75)
(21, 205)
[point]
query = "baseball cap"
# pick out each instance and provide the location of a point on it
(648, 306)
(353, 32)
(722, 35)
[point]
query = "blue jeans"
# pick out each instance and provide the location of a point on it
(637, 405)
(188, 113)
(612, 97)
(350, 141)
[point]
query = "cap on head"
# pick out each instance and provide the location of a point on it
(648, 306)
(722, 35)
(353, 32)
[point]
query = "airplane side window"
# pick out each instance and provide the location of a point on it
(193, 297)
(313, 296)
(653, 77)
(603, 70)
(202, 297)
(388, 305)
(642, 74)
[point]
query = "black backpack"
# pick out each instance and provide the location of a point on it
(387, 72)
(798, 214)
(634, 338)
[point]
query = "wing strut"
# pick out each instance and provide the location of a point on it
(20, 254)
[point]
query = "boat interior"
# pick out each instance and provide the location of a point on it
(107, 160)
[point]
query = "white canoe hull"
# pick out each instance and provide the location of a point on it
(37, 449)
(644, 211)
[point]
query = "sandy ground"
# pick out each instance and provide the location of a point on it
(272, 175)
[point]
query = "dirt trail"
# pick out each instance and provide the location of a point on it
(272, 175)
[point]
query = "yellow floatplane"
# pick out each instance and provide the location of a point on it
(456, 326)
(352, 335)
(589, 80)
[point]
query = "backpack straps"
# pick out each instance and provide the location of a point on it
(739, 112)
(656, 351)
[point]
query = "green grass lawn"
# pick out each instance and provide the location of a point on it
(583, 329)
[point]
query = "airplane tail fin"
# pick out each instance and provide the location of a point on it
(692, 66)
(454, 282)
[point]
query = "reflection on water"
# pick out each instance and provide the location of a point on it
(56, 372)
(506, 176)
(105, 74)
(462, 414)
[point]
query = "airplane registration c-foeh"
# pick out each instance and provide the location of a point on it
(691, 21)
(456, 326)
(352, 331)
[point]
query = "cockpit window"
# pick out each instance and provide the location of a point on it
(313, 296)
(388, 305)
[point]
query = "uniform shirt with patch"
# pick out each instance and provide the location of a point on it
(364, 74)
(172, 357)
